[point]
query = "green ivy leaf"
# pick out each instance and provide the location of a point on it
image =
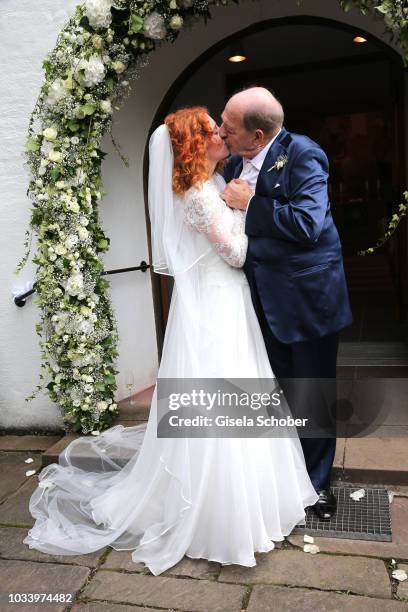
(109, 379)
(73, 126)
(382, 8)
(32, 144)
(47, 66)
(135, 24)
(55, 173)
(110, 85)
(88, 108)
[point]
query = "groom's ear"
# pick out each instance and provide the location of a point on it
(259, 136)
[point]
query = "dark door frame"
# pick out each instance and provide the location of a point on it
(161, 292)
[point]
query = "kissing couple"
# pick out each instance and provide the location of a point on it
(240, 217)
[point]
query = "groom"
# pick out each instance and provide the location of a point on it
(294, 262)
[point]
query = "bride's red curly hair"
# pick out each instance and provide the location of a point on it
(190, 132)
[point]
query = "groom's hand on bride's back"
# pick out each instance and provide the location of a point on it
(237, 194)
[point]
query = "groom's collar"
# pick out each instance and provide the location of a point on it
(279, 144)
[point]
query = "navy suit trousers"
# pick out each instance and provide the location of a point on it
(309, 359)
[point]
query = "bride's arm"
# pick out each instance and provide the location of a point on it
(208, 214)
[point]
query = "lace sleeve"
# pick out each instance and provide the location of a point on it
(224, 227)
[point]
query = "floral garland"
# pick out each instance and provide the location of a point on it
(98, 52)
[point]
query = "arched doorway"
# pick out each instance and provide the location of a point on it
(349, 97)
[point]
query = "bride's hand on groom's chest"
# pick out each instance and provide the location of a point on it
(237, 194)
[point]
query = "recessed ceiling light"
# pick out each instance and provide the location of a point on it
(237, 58)
(359, 39)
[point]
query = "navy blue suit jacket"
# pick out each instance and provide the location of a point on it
(294, 263)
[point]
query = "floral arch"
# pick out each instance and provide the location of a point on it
(98, 53)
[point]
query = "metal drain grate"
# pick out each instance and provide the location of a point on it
(366, 519)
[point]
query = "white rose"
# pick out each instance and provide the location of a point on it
(94, 70)
(101, 406)
(73, 205)
(74, 284)
(97, 41)
(118, 66)
(106, 106)
(154, 26)
(50, 133)
(85, 327)
(55, 156)
(83, 233)
(60, 249)
(74, 139)
(176, 22)
(46, 147)
(56, 93)
(98, 13)
(79, 178)
(71, 241)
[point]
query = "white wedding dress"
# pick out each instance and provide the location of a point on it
(220, 499)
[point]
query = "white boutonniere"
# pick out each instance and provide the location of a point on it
(280, 162)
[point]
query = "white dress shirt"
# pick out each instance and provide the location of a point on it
(252, 167)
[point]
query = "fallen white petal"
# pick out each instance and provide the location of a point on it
(357, 495)
(29, 460)
(311, 548)
(95, 433)
(390, 496)
(45, 484)
(399, 575)
(30, 472)
(308, 538)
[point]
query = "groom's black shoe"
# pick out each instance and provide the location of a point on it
(326, 505)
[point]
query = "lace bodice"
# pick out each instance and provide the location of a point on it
(224, 227)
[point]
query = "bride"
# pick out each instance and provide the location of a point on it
(222, 499)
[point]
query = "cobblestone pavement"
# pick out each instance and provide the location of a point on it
(345, 575)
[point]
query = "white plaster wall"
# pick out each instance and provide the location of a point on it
(27, 31)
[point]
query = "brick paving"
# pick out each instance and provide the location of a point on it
(346, 575)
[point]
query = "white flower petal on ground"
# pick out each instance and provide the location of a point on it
(308, 539)
(29, 460)
(45, 484)
(400, 575)
(390, 496)
(357, 495)
(30, 472)
(313, 549)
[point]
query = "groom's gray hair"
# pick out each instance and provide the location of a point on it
(265, 112)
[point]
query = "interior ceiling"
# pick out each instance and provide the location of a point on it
(291, 44)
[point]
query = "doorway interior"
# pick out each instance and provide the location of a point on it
(348, 97)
